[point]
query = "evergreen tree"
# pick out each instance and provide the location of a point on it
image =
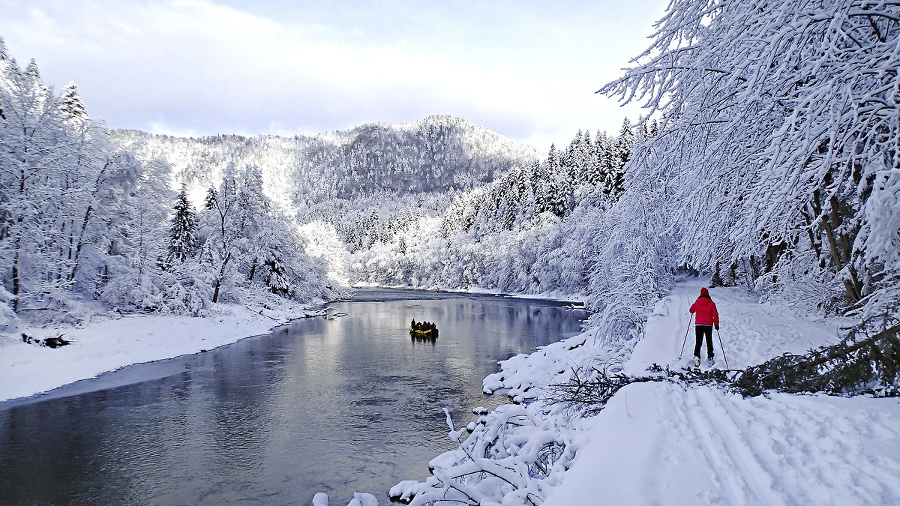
(183, 240)
(71, 104)
(593, 173)
(556, 184)
(277, 278)
(620, 155)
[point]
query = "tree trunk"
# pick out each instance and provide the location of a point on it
(87, 218)
(839, 247)
(221, 275)
(809, 231)
(17, 285)
(252, 270)
(215, 297)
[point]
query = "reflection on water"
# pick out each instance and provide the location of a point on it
(339, 405)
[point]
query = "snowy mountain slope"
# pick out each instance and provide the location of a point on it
(659, 443)
(438, 153)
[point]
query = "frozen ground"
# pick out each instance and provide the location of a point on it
(656, 443)
(659, 443)
(666, 443)
(110, 344)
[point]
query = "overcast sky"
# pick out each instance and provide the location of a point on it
(527, 69)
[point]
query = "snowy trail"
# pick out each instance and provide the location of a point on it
(660, 443)
(730, 444)
(750, 332)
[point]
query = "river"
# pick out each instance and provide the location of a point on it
(349, 402)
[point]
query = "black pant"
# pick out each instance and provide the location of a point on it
(701, 330)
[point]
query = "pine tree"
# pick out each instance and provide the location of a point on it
(71, 104)
(594, 170)
(621, 154)
(277, 277)
(183, 241)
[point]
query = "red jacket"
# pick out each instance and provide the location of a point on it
(707, 314)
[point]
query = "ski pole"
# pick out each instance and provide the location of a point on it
(685, 335)
(723, 348)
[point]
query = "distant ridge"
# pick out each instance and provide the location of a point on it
(435, 154)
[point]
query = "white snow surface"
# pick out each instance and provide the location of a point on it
(657, 443)
(667, 443)
(660, 443)
(110, 344)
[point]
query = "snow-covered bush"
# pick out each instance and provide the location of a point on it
(8, 317)
(513, 456)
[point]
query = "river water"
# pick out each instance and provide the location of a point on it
(349, 402)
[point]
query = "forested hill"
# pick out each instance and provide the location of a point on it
(439, 153)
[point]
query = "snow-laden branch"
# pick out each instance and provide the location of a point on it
(767, 106)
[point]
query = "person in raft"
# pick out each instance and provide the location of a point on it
(707, 318)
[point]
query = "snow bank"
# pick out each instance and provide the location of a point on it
(524, 376)
(98, 347)
(663, 443)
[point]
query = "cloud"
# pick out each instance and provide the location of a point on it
(205, 68)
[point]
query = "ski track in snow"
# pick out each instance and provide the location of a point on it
(726, 445)
(662, 443)
(657, 443)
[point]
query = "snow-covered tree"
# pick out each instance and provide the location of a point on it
(183, 240)
(71, 103)
(247, 242)
(79, 216)
(222, 230)
(56, 170)
(136, 238)
(779, 118)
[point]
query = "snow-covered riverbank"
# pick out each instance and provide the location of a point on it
(110, 344)
(666, 443)
(660, 443)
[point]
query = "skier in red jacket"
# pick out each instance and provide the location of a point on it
(707, 318)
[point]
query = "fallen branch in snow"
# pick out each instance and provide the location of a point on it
(588, 393)
(867, 365)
